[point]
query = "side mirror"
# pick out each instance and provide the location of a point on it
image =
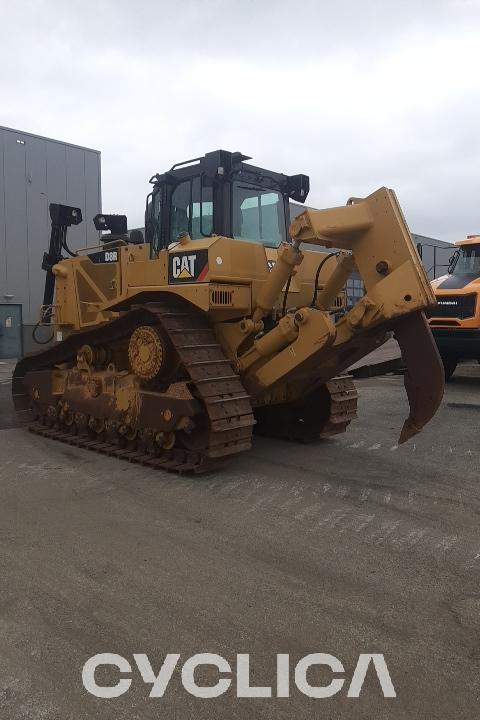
(453, 261)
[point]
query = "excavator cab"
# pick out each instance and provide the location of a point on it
(466, 260)
(219, 194)
(455, 320)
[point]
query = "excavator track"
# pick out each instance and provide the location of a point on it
(327, 411)
(227, 412)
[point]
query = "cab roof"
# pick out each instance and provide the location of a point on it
(469, 240)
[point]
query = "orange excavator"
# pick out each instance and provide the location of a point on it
(455, 320)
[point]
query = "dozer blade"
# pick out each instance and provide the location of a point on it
(424, 375)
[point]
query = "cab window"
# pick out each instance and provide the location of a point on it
(155, 220)
(468, 262)
(258, 214)
(192, 209)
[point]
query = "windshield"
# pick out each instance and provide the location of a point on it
(468, 261)
(258, 214)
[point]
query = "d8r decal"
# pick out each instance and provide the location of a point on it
(105, 256)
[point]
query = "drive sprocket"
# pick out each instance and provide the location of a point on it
(146, 352)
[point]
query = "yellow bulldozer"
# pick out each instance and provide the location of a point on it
(170, 348)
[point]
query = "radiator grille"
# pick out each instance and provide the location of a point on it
(221, 297)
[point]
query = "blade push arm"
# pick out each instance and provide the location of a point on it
(374, 230)
(374, 239)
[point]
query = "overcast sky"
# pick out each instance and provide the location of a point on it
(354, 94)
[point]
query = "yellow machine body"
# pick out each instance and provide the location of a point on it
(145, 334)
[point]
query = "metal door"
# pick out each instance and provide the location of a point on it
(10, 331)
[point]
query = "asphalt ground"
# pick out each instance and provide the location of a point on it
(353, 545)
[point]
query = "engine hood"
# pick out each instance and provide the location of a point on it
(456, 282)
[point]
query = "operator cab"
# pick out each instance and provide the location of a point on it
(466, 260)
(219, 194)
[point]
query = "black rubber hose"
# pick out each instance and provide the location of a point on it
(47, 314)
(319, 269)
(65, 246)
(34, 335)
(285, 295)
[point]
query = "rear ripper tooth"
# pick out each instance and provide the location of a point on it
(424, 375)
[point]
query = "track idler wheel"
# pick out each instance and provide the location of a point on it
(165, 440)
(65, 414)
(127, 432)
(96, 425)
(52, 415)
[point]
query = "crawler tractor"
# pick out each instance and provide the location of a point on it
(168, 350)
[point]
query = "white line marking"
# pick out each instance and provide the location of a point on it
(329, 520)
(411, 538)
(364, 494)
(473, 561)
(387, 528)
(363, 521)
(309, 511)
(447, 543)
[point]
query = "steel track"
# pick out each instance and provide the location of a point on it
(212, 377)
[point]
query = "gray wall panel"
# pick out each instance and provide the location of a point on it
(32, 175)
(93, 201)
(37, 223)
(3, 249)
(56, 173)
(16, 220)
(435, 254)
(75, 158)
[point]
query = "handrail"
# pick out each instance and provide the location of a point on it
(102, 245)
(435, 265)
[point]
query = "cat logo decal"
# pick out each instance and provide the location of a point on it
(188, 267)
